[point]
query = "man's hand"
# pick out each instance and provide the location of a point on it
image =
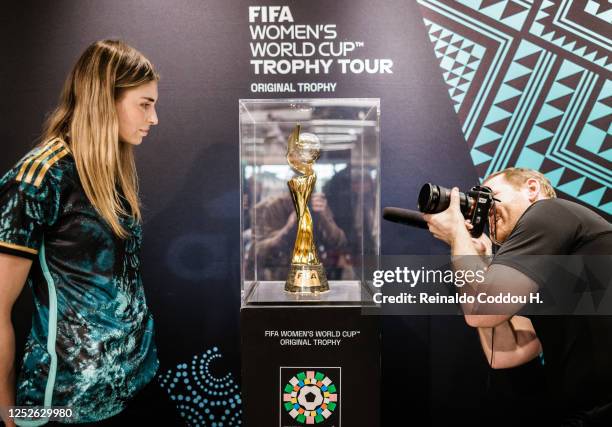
(449, 225)
(291, 221)
(321, 208)
(319, 203)
(283, 236)
(482, 244)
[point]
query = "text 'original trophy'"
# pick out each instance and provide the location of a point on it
(306, 274)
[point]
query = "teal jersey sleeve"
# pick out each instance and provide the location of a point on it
(29, 200)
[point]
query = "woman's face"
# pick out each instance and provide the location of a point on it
(136, 112)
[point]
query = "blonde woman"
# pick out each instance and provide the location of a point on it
(70, 226)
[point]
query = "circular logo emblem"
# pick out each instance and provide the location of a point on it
(310, 397)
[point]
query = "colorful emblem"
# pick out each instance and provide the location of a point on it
(310, 397)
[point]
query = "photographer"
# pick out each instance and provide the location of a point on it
(526, 220)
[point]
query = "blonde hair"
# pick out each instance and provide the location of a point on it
(519, 176)
(86, 119)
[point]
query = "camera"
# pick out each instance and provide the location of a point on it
(475, 204)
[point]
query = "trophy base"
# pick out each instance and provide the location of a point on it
(306, 279)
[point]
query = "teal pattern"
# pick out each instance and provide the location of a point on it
(201, 398)
(540, 95)
(459, 57)
(91, 346)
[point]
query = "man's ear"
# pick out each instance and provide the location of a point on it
(533, 189)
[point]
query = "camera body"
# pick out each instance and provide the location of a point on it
(475, 204)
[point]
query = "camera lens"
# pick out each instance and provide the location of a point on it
(433, 198)
(474, 204)
(425, 197)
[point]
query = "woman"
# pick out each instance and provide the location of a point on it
(71, 227)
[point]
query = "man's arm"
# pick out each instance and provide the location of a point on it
(510, 344)
(449, 226)
(273, 230)
(500, 279)
(13, 274)
(332, 235)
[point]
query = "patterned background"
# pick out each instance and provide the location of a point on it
(202, 398)
(530, 82)
(528, 71)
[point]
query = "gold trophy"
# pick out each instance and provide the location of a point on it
(306, 275)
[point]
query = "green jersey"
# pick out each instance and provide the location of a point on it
(91, 346)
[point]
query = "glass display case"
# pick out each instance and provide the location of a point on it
(344, 204)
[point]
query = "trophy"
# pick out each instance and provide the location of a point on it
(306, 275)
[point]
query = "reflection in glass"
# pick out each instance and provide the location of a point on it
(344, 203)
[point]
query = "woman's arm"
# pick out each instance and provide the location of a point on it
(514, 343)
(13, 274)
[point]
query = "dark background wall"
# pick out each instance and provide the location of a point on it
(432, 367)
